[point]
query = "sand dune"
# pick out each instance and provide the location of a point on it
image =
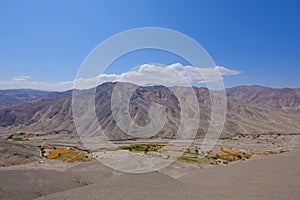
(269, 177)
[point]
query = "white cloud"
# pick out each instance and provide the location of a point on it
(25, 82)
(175, 74)
(20, 78)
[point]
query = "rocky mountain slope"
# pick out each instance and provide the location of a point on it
(14, 153)
(250, 110)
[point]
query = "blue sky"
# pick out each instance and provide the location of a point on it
(48, 40)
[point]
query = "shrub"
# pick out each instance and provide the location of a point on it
(17, 139)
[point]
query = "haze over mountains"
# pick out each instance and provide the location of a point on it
(250, 110)
(18, 96)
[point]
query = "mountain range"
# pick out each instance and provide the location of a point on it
(18, 96)
(250, 110)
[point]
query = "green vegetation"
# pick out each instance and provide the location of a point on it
(138, 148)
(143, 147)
(193, 152)
(17, 139)
(188, 159)
(11, 137)
(188, 150)
(214, 157)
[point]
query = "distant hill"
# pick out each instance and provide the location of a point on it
(285, 99)
(18, 96)
(250, 110)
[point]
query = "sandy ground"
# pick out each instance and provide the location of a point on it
(264, 177)
(33, 180)
(268, 177)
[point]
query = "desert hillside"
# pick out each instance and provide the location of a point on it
(250, 110)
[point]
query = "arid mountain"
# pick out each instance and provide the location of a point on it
(250, 110)
(285, 99)
(44, 115)
(13, 97)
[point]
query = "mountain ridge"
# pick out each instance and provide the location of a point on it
(250, 110)
(19, 96)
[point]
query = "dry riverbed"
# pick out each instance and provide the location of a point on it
(56, 167)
